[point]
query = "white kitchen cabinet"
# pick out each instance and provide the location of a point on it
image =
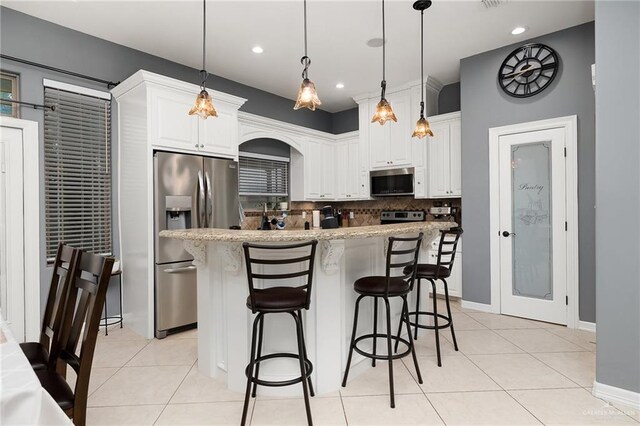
(419, 183)
(313, 174)
(348, 173)
(454, 282)
(444, 157)
(390, 146)
(172, 127)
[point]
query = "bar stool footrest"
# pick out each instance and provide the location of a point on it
(299, 379)
(381, 357)
(431, 314)
(109, 321)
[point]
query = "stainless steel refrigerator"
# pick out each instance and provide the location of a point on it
(190, 191)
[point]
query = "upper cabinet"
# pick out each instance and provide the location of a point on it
(348, 174)
(444, 157)
(169, 124)
(390, 145)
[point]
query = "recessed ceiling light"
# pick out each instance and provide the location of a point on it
(257, 49)
(340, 86)
(518, 30)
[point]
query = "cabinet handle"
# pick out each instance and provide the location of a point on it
(196, 145)
(201, 146)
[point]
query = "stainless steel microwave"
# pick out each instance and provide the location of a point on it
(392, 183)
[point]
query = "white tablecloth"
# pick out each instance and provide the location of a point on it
(23, 401)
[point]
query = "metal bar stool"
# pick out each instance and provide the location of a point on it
(432, 273)
(280, 299)
(385, 287)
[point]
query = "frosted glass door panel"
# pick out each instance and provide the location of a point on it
(532, 247)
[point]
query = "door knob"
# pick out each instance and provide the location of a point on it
(507, 234)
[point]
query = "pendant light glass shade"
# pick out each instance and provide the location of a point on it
(422, 129)
(203, 106)
(307, 95)
(422, 125)
(384, 111)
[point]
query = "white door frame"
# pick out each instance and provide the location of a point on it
(31, 200)
(570, 126)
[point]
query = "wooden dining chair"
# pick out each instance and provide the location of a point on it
(64, 268)
(88, 291)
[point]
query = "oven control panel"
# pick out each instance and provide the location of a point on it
(399, 216)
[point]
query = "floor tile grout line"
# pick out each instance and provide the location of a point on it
(344, 410)
(610, 404)
(554, 369)
(116, 372)
(174, 392)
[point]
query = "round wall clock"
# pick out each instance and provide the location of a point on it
(528, 70)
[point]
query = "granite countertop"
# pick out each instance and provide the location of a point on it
(231, 235)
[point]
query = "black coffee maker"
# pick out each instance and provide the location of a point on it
(330, 221)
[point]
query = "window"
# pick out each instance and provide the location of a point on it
(9, 90)
(263, 175)
(77, 161)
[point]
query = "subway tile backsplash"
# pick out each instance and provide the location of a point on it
(365, 212)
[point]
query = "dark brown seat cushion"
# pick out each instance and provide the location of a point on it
(376, 286)
(279, 299)
(57, 387)
(36, 354)
(425, 270)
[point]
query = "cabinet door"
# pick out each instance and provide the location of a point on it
(419, 184)
(342, 170)
(313, 170)
(353, 169)
(455, 158)
(171, 124)
(378, 142)
(399, 144)
(218, 135)
(438, 159)
(328, 175)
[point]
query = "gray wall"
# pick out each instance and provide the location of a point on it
(345, 121)
(26, 37)
(267, 146)
(484, 105)
(449, 98)
(618, 184)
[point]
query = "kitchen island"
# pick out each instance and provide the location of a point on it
(224, 322)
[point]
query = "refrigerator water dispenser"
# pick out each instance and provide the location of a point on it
(178, 212)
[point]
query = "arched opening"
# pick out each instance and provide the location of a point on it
(265, 179)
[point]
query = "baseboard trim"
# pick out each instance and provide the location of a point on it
(482, 307)
(587, 326)
(616, 395)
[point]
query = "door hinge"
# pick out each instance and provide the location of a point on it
(567, 300)
(565, 151)
(566, 226)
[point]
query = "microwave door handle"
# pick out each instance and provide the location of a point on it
(209, 201)
(201, 218)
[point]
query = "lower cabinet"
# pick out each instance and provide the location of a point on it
(454, 282)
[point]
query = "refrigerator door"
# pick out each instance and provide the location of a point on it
(176, 301)
(221, 182)
(179, 193)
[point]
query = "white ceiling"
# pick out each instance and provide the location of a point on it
(338, 32)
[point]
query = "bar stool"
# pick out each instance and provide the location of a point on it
(432, 273)
(385, 287)
(280, 299)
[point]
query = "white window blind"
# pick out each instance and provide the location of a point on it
(263, 175)
(77, 160)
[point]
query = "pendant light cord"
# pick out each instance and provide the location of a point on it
(305, 27)
(384, 42)
(204, 43)
(422, 63)
(305, 60)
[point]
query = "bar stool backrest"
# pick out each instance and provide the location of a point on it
(400, 258)
(449, 239)
(64, 268)
(306, 271)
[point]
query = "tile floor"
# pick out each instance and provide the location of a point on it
(509, 371)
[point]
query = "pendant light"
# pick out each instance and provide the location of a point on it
(204, 106)
(422, 125)
(307, 95)
(383, 109)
